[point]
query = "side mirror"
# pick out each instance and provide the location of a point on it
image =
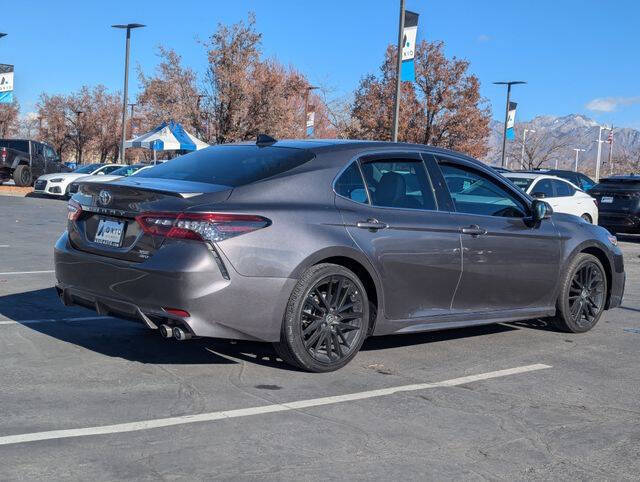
(540, 210)
(539, 195)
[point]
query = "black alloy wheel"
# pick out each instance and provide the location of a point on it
(587, 294)
(331, 318)
(326, 321)
(583, 295)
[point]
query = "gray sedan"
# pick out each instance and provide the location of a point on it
(316, 245)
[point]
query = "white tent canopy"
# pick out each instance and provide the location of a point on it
(168, 136)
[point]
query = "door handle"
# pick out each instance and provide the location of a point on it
(372, 224)
(474, 230)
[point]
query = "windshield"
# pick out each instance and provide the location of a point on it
(522, 182)
(88, 169)
(127, 170)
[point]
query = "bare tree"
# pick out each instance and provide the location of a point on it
(443, 107)
(9, 119)
(540, 148)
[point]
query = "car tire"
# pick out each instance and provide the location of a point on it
(587, 218)
(22, 176)
(326, 320)
(583, 295)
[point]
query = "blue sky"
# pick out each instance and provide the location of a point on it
(578, 56)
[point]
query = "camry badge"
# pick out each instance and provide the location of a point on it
(104, 198)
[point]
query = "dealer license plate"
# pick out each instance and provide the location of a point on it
(110, 233)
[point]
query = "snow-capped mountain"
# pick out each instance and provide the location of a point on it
(569, 132)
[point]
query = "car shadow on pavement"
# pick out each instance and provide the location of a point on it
(133, 341)
(37, 195)
(125, 339)
(410, 339)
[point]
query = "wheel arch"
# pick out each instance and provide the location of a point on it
(357, 262)
(608, 269)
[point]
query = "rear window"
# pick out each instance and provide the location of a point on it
(88, 169)
(15, 144)
(522, 182)
(231, 165)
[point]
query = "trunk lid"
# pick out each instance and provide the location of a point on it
(107, 224)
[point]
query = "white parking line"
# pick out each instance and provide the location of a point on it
(26, 272)
(246, 412)
(51, 320)
(4, 246)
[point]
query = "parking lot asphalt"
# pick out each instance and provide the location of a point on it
(88, 397)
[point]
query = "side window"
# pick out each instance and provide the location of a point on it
(399, 183)
(109, 169)
(473, 193)
(563, 189)
(543, 188)
(585, 183)
(351, 185)
(49, 153)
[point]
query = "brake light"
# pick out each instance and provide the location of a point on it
(74, 210)
(3, 154)
(211, 227)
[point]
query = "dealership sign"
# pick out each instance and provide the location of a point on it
(6, 83)
(409, 35)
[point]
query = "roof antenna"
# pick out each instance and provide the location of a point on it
(264, 140)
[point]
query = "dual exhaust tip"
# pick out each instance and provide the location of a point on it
(175, 332)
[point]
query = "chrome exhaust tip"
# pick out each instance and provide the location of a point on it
(166, 331)
(180, 334)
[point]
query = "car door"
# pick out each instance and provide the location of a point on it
(508, 262)
(564, 199)
(388, 206)
(38, 166)
(52, 162)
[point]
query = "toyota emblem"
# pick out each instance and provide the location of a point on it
(105, 198)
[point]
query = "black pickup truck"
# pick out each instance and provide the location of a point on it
(25, 160)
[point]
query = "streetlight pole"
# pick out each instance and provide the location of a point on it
(128, 27)
(77, 113)
(506, 112)
(396, 101)
(306, 107)
(600, 141)
(524, 141)
(132, 105)
(578, 151)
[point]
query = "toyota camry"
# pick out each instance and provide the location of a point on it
(316, 245)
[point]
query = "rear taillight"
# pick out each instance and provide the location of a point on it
(74, 210)
(211, 227)
(3, 154)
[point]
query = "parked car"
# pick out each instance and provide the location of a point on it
(619, 203)
(563, 196)
(59, 184)
(117, 174)
(316, 245)
(23, 160)
(583, 181)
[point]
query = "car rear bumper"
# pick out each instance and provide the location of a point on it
(620, 222)
(184, 276)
